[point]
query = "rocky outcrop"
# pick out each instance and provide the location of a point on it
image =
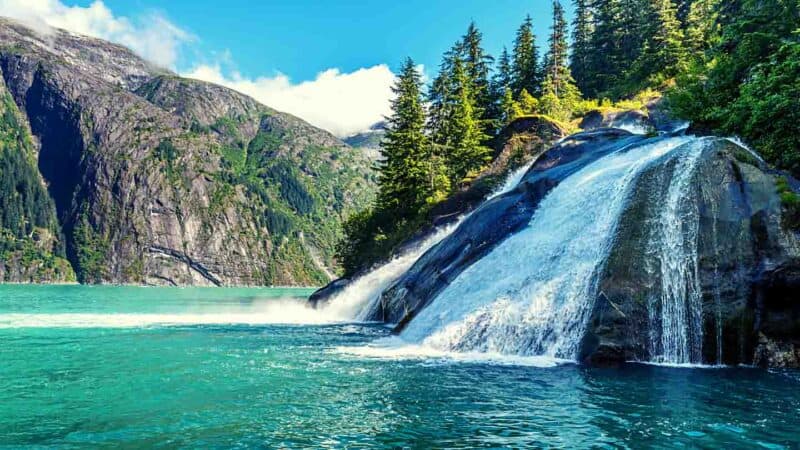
(158, 179)
(492, 223)
(618, 118)
(739, 254)
(520, 143)
(747, 269)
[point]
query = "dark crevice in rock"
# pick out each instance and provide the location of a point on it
(183, 257)
(57, 126)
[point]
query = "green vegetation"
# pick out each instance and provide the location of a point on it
(30, 240)
(747, 83)
(727, 65)
(790, 201)
(91, 250)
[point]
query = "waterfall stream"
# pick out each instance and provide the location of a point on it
(532, 294)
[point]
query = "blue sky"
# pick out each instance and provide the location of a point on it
(300, 38)
(329, 62)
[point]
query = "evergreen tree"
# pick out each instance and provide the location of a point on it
(583, 27)
(440, 97)
(556, 60)
(701, 30)
(509, 108)
(663, 55)
(500, 86)
(404, 179)
(465, 149)
(525, 66)
(477, 64)
(503, 77)
(605, 59)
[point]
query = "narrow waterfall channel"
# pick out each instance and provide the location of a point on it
(532, 294)
(676, 327)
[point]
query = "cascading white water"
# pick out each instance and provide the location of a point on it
(533, 293)
(512, 180)
(355, 301)
(673, 241)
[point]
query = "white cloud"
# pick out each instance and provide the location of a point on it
(342, 103)
(152, 35)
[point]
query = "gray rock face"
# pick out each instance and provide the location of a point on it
(163, 180)
(747, 272)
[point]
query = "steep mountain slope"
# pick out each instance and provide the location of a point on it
(164, 180)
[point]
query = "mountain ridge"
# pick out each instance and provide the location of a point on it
(159, 179)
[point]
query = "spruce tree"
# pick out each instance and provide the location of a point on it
(583, 27)
(605, 59)
(503, 77)
(701, 30)
(663, 55)
(465, 150)
(556, 60)
(440, 97)
(525, 66)
(404, 179)
(477, 65)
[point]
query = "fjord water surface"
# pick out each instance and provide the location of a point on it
(151, 367)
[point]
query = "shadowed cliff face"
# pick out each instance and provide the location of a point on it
(164, 180)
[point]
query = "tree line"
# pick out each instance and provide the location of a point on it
(712, 58)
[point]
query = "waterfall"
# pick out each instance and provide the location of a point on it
(673, 241)
(533, 293)
(355, 301)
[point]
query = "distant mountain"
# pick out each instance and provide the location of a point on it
(369, 141)
(130, 174)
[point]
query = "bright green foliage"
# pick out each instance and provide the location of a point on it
(29, 232)
(527, 104)
(525, 66)
(582, 29)
(509, 107)
(663, 55)
(404, 179)
(748, 83)
(701, 28)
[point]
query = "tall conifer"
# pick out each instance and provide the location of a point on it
(525, 66)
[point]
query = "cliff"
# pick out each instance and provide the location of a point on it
(158, 179)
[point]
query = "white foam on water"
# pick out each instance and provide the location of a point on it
(633, 127)
(278, 312)
(681, 365)
(678, 310)
(394, 348)
(354, 301)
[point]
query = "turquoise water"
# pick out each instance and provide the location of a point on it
(146, 367)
